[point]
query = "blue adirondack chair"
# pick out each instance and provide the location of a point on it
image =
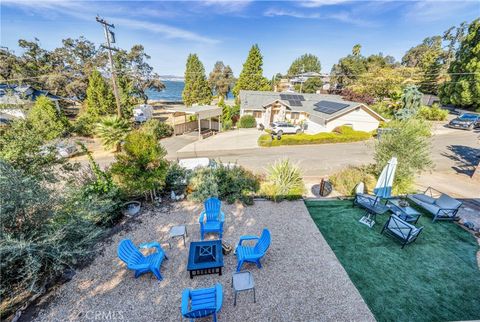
(212, 218)
(139, 263)
(253, 253)
(203, 302)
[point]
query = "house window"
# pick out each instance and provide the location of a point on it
(295, 115)
(257, 114)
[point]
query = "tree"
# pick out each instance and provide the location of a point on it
(221, 79)
(303, 64)
(100, 100)
(112, 130)
(135, 71)
(463, 89)
(383, 82)
(408, 141)
(428, 58)
(141, 168)
(196, 90)
(312, 85)
(45, 119)
(21, 147)
(251, 77)
(356, 50)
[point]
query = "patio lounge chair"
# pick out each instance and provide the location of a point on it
(371, 204)
(139, 263)
(203, 302)
(212, 218)
(440, 205)
(400, 229)
(252, 253)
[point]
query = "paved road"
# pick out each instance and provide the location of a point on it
(452, 151)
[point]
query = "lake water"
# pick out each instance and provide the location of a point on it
(172, 92)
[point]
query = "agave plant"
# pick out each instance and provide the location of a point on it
(112, 130)
(284, 181)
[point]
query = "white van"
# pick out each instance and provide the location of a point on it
(142, 113)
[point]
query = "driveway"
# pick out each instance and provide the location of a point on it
(240, 139)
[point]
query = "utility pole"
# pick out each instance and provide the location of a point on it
(110, 38)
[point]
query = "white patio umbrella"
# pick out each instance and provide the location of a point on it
(383, 188)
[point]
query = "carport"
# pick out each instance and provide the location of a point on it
(204, 115)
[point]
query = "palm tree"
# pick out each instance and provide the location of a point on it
(112, 130)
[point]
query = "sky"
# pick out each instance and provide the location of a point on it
(225, 30)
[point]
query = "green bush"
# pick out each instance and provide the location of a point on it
(284, 181)
(345, 181)
(342, 134)
(229, 183)
(385, 108)
(227, 125)
(45, 119)
(176, 178)
(43, 233)
(159, 129)
(408, 140)
(434, 113)
(247, 121)
(85, 124)
(141, 167)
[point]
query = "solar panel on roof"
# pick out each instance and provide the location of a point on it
(301, 98)
(283, 96)
(294, 103)
(329, 107)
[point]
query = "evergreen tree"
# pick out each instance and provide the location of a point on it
(464, 87)
(221, 79)
(128, 99)
(251, 77)
(100, 100)
(303, 64)
(196, 88)
(312, 85)
(45, 119)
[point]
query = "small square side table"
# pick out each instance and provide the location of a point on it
(178, 231)
(243, 281)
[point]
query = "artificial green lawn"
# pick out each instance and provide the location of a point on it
(434, 279)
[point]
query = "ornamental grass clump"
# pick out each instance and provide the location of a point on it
(284, 181)
(345, 181)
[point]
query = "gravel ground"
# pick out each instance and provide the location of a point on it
(301, 279)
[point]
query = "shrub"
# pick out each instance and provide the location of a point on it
(229, 183)
(247, 121)
(434, 113)
(408, 140)
(284, 181)
(345, 181)
(176, 178)
(45, 119)
(159, 129)
(41, 235)
(112, 130)
(227, 125)
(385, 109)
(349, 95)
(141, 167)
(342, 134)
(85, 124)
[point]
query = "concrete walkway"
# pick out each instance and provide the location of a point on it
(301, 278)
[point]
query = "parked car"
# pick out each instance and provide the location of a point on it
(62, 149)
(467, 121)
(280, 128)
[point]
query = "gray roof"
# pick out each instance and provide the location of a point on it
(257, 100)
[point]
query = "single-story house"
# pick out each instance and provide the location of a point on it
(14, 95)
(302, 78)
(317, 112)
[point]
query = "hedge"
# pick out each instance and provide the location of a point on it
(340, 135)
(247, 121)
